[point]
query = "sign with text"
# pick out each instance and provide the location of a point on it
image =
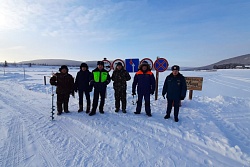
(194, 83)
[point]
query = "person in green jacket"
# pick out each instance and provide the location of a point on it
(100, 78)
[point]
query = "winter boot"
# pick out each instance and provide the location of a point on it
(92, 113)
(88, 109)
(176, 119)
(66, 107)
(59, 108)
(101, 111)
(117, 110)
(167, 116)
(80, 108)
(124, 111)
(137, 112)
(149, 114)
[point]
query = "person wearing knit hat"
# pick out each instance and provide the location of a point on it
(100, 78)
(175, 87)
(64, 83)
(120, 77)
(82, 86)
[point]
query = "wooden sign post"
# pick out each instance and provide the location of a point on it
(193, 83)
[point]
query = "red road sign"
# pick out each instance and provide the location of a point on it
(161, 65)
(113, 66)
(107, 65)
(150, 62)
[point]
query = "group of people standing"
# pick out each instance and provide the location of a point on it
(143, 85)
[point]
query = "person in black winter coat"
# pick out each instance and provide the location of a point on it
(64, 83)
(100, 78)
(82, 86)
(144, 80)
(175, 87)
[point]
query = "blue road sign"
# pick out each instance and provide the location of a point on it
(132, 65)
(161, 65)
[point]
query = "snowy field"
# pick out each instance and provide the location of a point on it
(213, 130)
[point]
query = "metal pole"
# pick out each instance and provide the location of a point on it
(44, 80)
(23, 73)
(156, 85)
(53, 107)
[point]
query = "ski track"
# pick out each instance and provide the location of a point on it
(42, 142)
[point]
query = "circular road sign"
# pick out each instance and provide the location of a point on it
(150, 62)
(161, 65)
(114, 63)
(107, 65)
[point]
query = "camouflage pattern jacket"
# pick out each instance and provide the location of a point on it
(120, 78)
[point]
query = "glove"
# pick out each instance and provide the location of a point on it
(75, 90)
(163, 96)
(152, 92)
(182, 97)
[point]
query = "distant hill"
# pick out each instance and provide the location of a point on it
(58, 62)
(243, 60)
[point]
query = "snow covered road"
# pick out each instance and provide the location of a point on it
(213, 130)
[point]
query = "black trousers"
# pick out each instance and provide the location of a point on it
(120, 96)
(98, 93)
(176, 107)
(62, 99)
(87, 95)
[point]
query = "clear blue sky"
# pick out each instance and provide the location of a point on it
(188, 32)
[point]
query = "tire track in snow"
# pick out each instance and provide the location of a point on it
(230, 84)
(71, 130)
(220, 82)
(13, 148)
(19, 107)
(230, 129)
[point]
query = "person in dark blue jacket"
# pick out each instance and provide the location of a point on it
(144, 80)
(82, 86)
(175, 87)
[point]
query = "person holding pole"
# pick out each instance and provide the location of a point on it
(144, 80)
(64, 83)
(82, 86)
(100, 78)
(120, 77)
(175, 87)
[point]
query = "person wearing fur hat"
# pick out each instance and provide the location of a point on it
(120, 77)
(64, 83)
(100, 78)
(175, 87)
(82, 86)
(144, 80)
